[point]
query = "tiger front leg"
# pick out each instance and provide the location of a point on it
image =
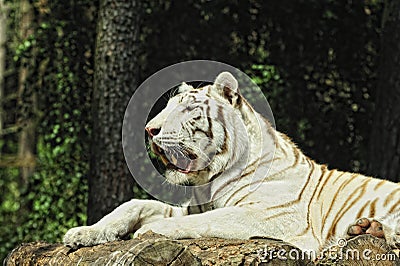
(228, 223)
(123, 220)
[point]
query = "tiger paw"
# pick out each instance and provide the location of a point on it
(390, 232)
(84, 236)
(366, 226)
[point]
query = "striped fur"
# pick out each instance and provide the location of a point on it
(261, 183)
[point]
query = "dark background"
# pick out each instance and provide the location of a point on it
(330, 70)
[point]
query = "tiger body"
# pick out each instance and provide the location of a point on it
(262, 185)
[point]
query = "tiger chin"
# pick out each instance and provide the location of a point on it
(260, 183)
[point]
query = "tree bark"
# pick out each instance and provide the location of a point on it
(27, 101)
(3, 39)
(153, 249)
(384, 156)
(116, 78)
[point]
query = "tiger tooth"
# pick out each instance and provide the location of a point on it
(174, 160)
(164, 160)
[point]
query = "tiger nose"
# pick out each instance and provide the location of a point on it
(152, 131)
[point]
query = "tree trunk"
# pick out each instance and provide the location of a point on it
(384, 158)
(153, 249)
(116, 78)
(3, 39)
(26, 100)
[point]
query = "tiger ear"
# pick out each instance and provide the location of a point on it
(184, 88)
(228, 87)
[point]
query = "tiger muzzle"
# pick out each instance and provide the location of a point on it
(175, 158)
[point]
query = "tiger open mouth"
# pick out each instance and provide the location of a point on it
(175, 159)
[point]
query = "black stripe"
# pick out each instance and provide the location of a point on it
(211, 135)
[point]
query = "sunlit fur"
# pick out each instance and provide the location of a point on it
(293, 197)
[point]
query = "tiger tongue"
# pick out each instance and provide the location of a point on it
(186, 171)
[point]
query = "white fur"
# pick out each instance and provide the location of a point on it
(286, 196)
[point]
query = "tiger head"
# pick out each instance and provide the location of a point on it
(201, 132)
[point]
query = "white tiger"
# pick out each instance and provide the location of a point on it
(256, 190)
